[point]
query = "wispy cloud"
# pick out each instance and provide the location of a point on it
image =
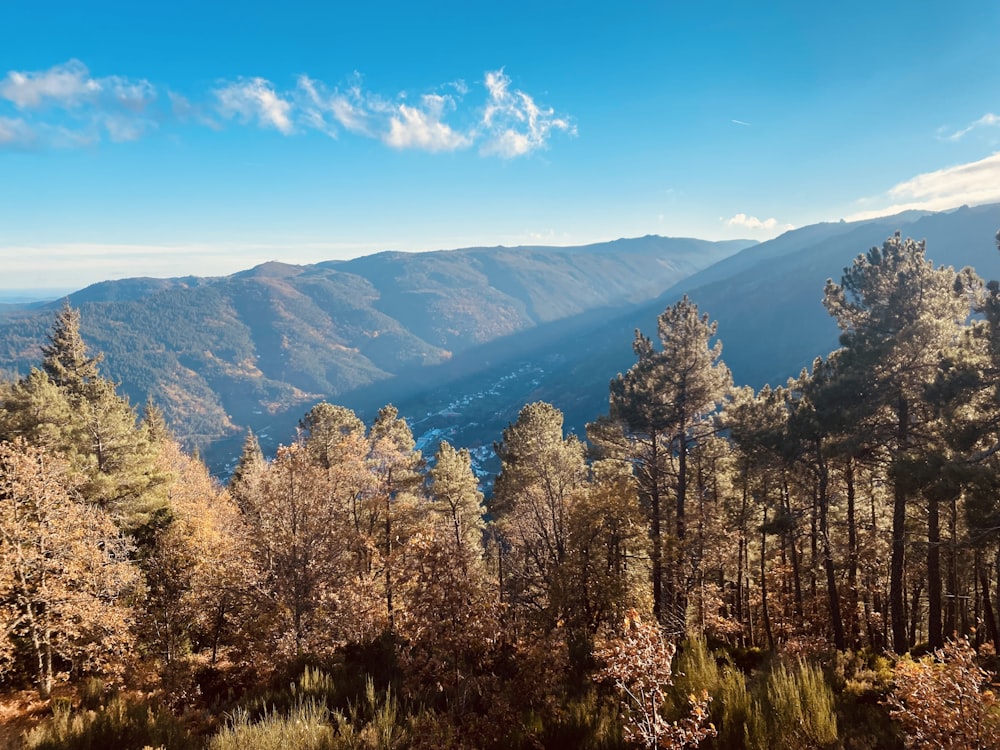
(971, 184)
(740, 122)
(986, 121)
(513, 124)
(508, 124)
(66, 85)
(771, 225)
(255, 100)
(66, 105)
(16, 133)
(423, 127)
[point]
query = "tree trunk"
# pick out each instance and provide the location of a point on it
(656, 553)
(934, 631)
(763, 584)
(918, 587)
(897, 610)
(852, 554)
(952, 601)
(679, 602)
(831, 576)
(793, 551)
(988, 614)
(740, 563)
(388, 567)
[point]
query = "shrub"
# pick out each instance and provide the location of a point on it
(306, 727)
(940, 702)
(119, 724)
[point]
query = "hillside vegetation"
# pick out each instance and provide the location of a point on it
(221, 354)
(810, 565)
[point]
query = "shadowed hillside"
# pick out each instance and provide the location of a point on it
(222, 354)
(767, 300)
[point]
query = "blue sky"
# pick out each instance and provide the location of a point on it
(201, 138)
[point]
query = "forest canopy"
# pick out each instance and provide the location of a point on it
(814, 564)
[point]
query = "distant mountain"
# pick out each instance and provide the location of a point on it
(767, 300)
(221, 354)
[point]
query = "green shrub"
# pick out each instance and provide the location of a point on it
(372, 724)
(695, 669)
(306, 727)
(799, 708)
(121, 724)
(734, 708)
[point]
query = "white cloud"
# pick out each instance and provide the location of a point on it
(513, 124)
(65, 85)
(987, 120)
(348, 110)
(16, 133)
(423, 127)
(66, 106)
(70, 85)
(964, 184)
(255, 99)
(757, 225)
(133, 96)
(510, 124)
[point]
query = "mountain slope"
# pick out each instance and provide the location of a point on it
(222, 354)
(767, 300)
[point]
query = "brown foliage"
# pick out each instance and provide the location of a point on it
(941, 703)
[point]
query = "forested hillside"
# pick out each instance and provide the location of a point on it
(767, 300)
(219, 355)
(814, 564)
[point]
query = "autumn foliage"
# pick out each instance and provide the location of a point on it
(714, 566)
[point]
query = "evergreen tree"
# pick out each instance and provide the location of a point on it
(38, 411)
(394, 465)
(66, 360)
(70, 408)
(244, 484)
(325, 427)
(663, 404)
(898, 314)
(456, 497)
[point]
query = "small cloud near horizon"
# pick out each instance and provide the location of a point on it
(972, 183)
(771, 225)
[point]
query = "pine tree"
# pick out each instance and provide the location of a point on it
(898, 314)
(541, 474)
(244, 484)
(457, 498)
(66, 359)
(70, 408)
(663, 404)
(395, 466)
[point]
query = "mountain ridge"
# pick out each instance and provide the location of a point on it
(219, 354)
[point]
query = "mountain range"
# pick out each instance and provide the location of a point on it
(460, 340)
(223, 354)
